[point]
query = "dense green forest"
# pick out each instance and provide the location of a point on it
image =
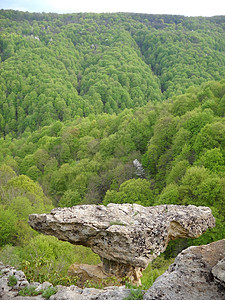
(84, 95)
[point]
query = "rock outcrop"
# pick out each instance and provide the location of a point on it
(198, 273)
(139, 168)
(126, 236)
(9, 291)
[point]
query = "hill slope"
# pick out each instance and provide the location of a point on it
(57, 67)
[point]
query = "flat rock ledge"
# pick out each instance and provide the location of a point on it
(198, 273)
(125, 236)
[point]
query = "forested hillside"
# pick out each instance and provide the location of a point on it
(84, 95)
(59, 67)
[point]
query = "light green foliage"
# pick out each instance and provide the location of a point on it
(164, 130)
(210, 136)
(196, 119)
(33, 172)
(21, 206)
(169, 195)
(184, 103)
(70, 198)
(45, 258)
(201, 188)
(47, 293)
(177, 171)
(23, 185)
(29, 291)
(156, 268)
(213, 160)
(6, 173)
(19, 197)
(132, 191)
(8, 222)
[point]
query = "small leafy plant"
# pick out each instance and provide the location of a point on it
(29, 291)
(135, 294)
(47, 293)
(12, 280)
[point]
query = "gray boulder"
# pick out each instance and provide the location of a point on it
(196, 274)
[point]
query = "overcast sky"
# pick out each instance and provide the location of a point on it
(175, 7)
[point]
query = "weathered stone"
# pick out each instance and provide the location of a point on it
(74, 293)
(105, 274)
(38, 297)
(139, 168)
(10, 292)
(113, 293)
(126, 236)
(219, 271)
(85, 272)
(67, 293)
(191, 276)
(43, 286)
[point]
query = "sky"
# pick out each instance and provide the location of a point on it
(174, 7)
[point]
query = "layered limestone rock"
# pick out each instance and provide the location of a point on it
(126, 236)
(198, 273)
